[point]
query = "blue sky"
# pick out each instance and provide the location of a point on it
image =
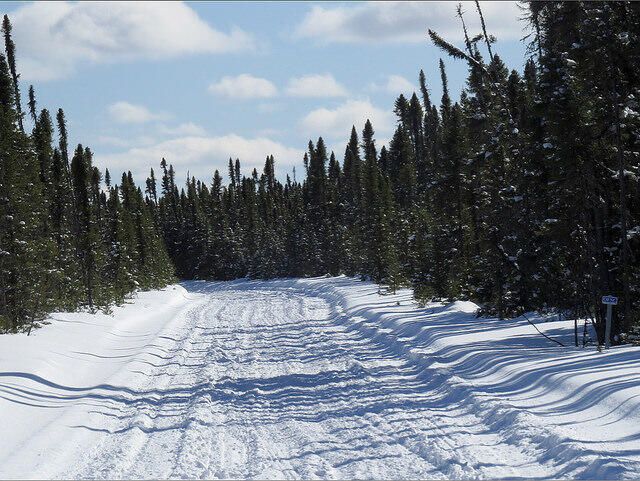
(198, 82)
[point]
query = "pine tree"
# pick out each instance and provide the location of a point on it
(379, 259)
(23, 248)
(350, 197)
(315, 189)
(119, 268)
(335, 247)
(62, 132)
(32, 105)
(10, 49)
(63, 243)
(86, 230)
(405, 194)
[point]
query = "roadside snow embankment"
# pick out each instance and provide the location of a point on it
(71, 358)
(579, 406)
(311, 378)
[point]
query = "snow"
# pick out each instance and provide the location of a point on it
(311, 378)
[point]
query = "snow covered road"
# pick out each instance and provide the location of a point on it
(311, 378)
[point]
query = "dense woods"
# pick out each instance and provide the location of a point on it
(520, 195)
(66, 242)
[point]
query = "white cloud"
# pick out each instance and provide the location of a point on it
(395, 84)
(54, 37)
(201, 155)
(271, 132)
(127, 113)
(188, 128)
(315, 86)
(338, 122)
(244, 86)
(406, 21)
(144, 140)
(112, 140)
(269, 107)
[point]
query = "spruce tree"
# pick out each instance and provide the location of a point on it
(32, 105)
(10, 49)
(24, 248)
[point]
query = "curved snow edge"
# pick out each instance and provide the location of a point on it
(516, 426)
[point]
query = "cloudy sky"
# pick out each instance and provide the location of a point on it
(200, 82)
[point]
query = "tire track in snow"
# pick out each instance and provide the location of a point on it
(131, 425)
(264, 381)
(460, 454)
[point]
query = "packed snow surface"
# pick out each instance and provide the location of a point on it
(311, 378)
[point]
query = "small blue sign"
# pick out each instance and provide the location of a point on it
(610, 300)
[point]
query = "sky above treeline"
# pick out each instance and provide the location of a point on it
(198, 83)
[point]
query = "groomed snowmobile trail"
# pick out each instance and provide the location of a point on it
(316, 378)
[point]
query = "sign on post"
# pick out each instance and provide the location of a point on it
(609, 301)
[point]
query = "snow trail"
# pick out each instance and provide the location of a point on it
(294, 379)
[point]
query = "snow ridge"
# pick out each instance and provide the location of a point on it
(461, 370)
(311, 378)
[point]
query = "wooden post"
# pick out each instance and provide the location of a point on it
(610, 301)
(607, 332)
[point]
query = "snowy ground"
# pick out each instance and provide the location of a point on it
(315, 378)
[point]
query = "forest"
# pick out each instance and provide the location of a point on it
(520, 195)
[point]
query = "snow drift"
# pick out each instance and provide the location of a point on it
(311, 378)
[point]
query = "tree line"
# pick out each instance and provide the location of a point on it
(521, 195)
(65, 241)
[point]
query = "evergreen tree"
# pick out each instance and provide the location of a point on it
(10, 49)
(23, 248)
(350, 198)
(63, 243)
(32, 105)
(84, 228)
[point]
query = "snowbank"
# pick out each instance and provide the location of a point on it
(75, 354)
(580, 405)
(192, 352)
